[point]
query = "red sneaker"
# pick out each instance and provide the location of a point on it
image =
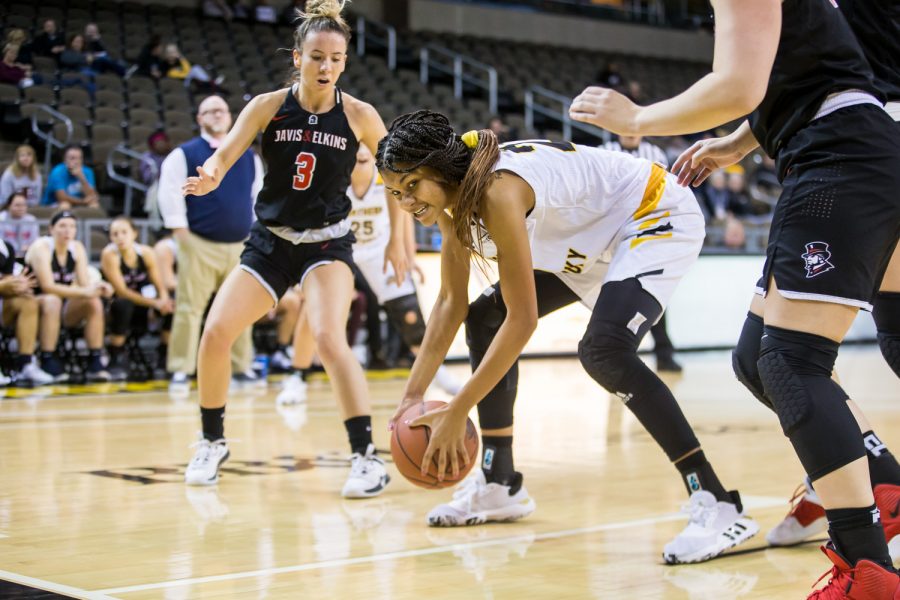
(887, 499)
(866, 581)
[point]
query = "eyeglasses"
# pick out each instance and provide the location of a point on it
(214, 111)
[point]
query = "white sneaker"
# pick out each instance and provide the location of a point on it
(293, 390)
(368, 475)
(247, 380)
(294, 416)
(713, 527)
(4, 380)
(34, 374)
(204, 466)
(805, 518)
(179, 386)
(475, 502)
(447, 382)
(280, 362)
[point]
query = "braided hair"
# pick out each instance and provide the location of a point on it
(426, 139)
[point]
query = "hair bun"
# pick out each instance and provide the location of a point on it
(327, 9)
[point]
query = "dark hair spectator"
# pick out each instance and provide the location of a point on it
(98, 56)
(71, 183)
(504, 132)
(74, 57)
(50, 42)
(18, 227)
(149, 63)
(611, 76)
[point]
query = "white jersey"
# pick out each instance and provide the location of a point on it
(369, 218)
(595, 209)
(370, 221)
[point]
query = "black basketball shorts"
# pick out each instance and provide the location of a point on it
(279, 264)
(837, 221)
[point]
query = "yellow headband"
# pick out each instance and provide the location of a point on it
(470, 139)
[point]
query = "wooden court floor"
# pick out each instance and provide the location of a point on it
(92, 504)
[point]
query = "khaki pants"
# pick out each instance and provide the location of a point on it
(202, 268)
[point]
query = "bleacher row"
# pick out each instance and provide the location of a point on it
(252, 60)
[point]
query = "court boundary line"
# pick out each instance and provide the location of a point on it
(50, 586)
(757, 502)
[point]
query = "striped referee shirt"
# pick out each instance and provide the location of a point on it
(651, 152)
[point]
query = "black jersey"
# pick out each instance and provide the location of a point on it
(876, 24)
(817, 55)
(135, 277)
(309, 159)
(7, 258)
(63, 273)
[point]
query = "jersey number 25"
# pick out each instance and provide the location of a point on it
(306, 165)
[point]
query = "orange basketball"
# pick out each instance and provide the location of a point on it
(408, 446)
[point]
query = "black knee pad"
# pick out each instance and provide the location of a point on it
(486, 315)
(399, 310)
(795, 369)
(621, 318)
(887, 321)
(746, 354)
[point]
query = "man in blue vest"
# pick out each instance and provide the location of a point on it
(210, 231)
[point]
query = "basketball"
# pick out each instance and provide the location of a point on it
(408, 446)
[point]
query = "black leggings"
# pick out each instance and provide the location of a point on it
(125, 316)
(608, 351)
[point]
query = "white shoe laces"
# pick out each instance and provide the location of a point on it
(359, 463)
(700, 515)
(205, 450)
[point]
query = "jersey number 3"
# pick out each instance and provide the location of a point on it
(306, 165)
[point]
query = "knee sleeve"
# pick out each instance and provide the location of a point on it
(608, 352)
(120, 313)
(486, 315)
(887, 321)
(746, 354)
(795, 369)
(406, 317)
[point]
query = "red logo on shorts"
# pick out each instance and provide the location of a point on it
(816, 258)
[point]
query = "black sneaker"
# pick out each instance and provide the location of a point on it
(51, 364)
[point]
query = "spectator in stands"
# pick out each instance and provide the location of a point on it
(166, 250)
(159, 146)
(737, 186)
(14, 72)
(717, 199)
(16, 226)
(67, 295)
(611, 76)
(263, 13)
(504, 132)
(149, 62)
(176, 66)
(71, 183)
(217, 8)
(20, 311)
(19, 37)
(50, 42)
(74, 57)
(99, 57)
(23, 174)
(131, 270)
(210, 231)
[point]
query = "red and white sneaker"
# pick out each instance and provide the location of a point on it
(865, 581)
(805, 519)
(887, 499)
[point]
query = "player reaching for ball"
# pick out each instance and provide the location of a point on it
(565, 223)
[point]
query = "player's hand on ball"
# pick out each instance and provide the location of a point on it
(404, 405)
(607, 109)
(202, 184)
(448, 431)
